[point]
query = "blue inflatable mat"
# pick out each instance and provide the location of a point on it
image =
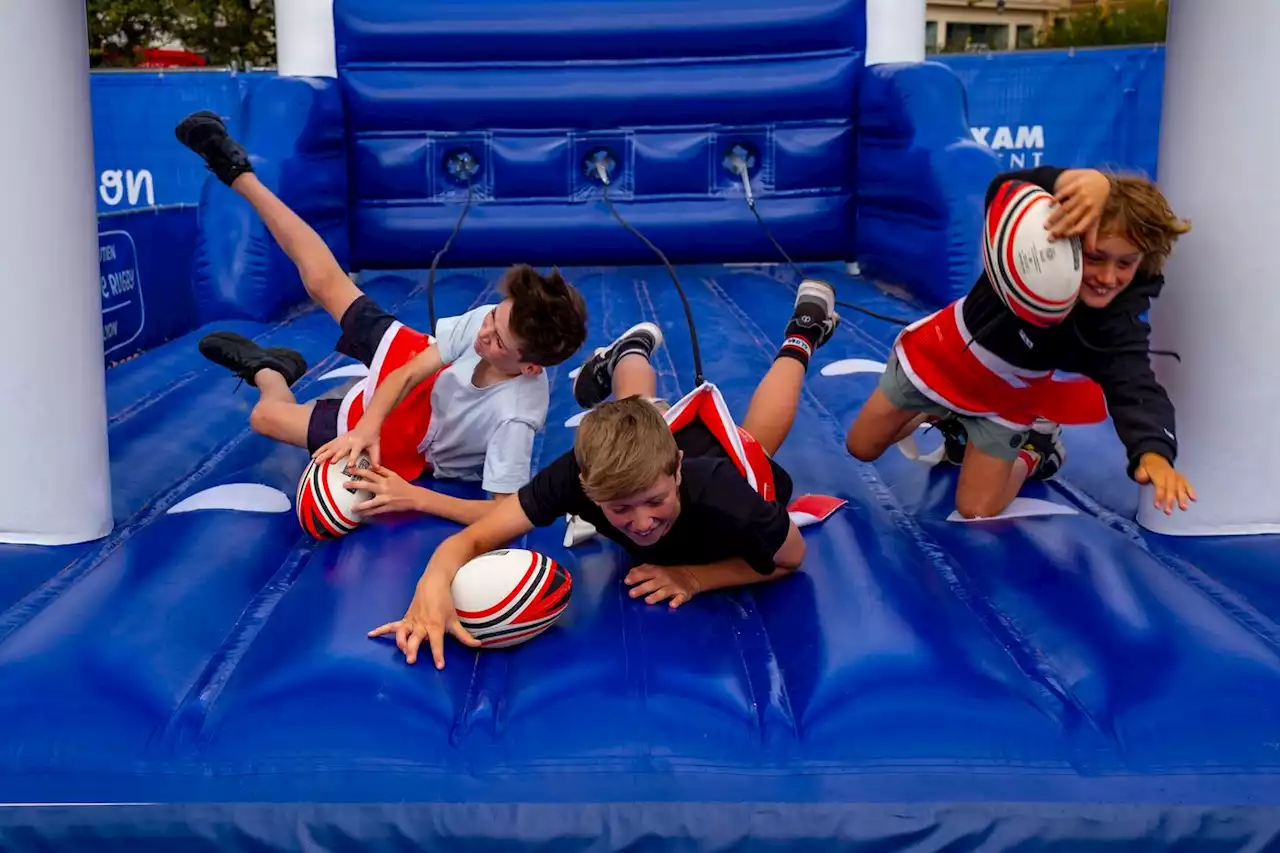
(203, 680)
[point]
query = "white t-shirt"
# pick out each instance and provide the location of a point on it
(483, 434)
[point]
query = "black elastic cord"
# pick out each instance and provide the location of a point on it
(431, 275)
(688, 312)
(886, 318)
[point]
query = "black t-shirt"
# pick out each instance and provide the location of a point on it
(721, 516)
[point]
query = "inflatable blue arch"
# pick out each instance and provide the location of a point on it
(875, 165)
(202, 679)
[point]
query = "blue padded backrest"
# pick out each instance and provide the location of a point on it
(532, 89)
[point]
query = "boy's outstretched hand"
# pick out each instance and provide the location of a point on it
(430, 616)
(1081, 195)
(1170, 486)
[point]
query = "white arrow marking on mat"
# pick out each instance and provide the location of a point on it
(345, 371)
(853, 365)
(241, 497)
(575, 420)
(1020, 508)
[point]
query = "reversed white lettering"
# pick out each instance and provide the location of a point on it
(1018, 147)
(114, 183)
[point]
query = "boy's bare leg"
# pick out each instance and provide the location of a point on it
(278, 414)
(880, 425)
(634, 376)
(205, 134)
(773, 405)
(622, 369)
(326, 282)
(988, 484)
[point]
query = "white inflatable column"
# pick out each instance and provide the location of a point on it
(305, 44)
(895, 31)
(53, 412)
(1220, 309)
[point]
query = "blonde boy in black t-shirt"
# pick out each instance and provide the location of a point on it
(697, 503)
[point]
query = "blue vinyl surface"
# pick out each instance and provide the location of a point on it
(202, 680)
(666, 88)
(1092, 107)
(996, 684)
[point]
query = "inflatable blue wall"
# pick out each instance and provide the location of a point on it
(884, 166)
(1097, 107)
(139, 162)
(665, 98)
(296, 136)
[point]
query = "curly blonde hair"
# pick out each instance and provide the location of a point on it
(1139, 212)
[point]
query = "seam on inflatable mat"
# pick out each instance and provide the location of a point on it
(217, 672)
(426, 133)
(1041, 676)
(29, 606)
(668, 378)
(569, 200)
(752, 59)
(744, 602)
(1227, 599)
(128, 412)
(221, 666)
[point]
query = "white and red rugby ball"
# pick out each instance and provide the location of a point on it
(1038, 279)
(509, 596)
(324, 504)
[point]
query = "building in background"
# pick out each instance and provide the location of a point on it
(964, 25)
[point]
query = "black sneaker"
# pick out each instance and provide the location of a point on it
(205, 134)
(1044, 442)
(954, 439)
(594, 382)
(815, 316)
(244, 358)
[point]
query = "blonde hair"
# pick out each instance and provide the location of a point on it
(622, 448)
(1139, 212)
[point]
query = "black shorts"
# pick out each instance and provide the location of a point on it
(364, 324)
(696, 440)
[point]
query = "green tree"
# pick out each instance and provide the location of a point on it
(228, 32)
(1131, 22)
(119, 29)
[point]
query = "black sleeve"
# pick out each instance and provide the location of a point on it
(554, 492)
(760, 526)
(1139, 406)
(1044, 177)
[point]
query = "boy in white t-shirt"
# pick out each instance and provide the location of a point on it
(463, 405)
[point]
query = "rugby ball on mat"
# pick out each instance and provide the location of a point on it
(1036, 278)
(324, 503)
(507, 597)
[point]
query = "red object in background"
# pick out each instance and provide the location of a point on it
(156, 58)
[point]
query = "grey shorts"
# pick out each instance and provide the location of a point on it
(985, 434)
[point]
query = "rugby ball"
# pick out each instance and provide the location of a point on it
(324, 503)
(507, 597)
(1036, 278)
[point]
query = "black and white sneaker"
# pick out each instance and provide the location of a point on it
(954, 439)
(244, 358)
(206, 134)
(814, 317)
(594, 382)
(1044, 446)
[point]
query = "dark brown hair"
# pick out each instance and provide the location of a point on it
(548, 314)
